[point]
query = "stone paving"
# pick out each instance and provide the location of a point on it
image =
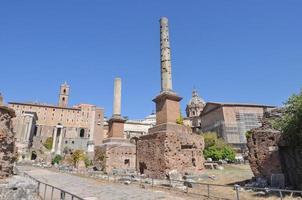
(95, 189)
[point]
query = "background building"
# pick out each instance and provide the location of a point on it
(231, 121)
(77, 127)
(193, 111)
(135, 128)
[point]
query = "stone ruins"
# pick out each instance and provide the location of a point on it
(271, 157)
(168, 146)
(8, 151)
(118, 152)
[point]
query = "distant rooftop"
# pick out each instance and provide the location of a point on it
(43, 105)
(241, 104)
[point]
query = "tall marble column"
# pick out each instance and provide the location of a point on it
(165, 56)
(54, 139)
(117, 96)
(116, 123)
(167, 102)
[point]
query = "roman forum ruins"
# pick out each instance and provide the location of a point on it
(168, 146)
(119, 152)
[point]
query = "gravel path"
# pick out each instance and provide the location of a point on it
(95, 189)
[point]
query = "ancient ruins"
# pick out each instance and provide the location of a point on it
(271, 157)
(118, 152)
(168, 146)
(8, 153)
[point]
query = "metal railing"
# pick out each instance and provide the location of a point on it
(54, 191)
(208, 190)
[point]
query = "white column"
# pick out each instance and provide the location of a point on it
(60, 140)
(54, 138)
(117, 97)
(165, 56)
(90, 147)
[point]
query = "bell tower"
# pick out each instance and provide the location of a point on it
(64, 95)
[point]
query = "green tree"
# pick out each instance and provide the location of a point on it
(48, 143)
(290, 122)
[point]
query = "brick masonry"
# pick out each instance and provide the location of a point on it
(169, 147)
(8, 151)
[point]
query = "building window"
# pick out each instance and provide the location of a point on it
(66, 142)
(72, 142)
(82, 133)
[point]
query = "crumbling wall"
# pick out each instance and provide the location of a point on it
(118, 155)
(8, 151)
(168, 148)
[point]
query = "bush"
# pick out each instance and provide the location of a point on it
(216, 148)
(57, 159)
(290, 123)
(80, 155)
(48, 143)
(210, 139)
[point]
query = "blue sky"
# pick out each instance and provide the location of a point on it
(231, 51)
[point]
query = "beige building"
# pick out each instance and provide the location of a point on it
(231, 121)
(77, 127)
(134, 128)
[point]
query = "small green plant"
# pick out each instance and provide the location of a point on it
(78, 155)
(248, 134)
(48, 143)
(57, 159)
(180, 119)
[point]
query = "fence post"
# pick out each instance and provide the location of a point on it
(62, 195)
(208, 190)
(45, 191)
(38, 188)
(51, 193)
(237, 191)
(281, 196)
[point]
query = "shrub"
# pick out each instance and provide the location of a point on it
(48, 143)
(216, 148)
(57, 159)
(210, 139)
(180, 120)
(80, 155)
(290, 123)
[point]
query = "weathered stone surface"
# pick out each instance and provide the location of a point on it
(270, 155)
(262, 143)
(119, 154)
(8, 150)
(169, 147)
(19, 187)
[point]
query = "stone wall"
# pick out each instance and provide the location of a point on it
(8, 151)
(169, 147)
(120, 155)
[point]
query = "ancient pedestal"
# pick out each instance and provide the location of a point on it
(8, 152)
(170, 147)
(116, 152)
(119, 153)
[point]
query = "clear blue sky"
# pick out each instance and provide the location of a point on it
(231, 51)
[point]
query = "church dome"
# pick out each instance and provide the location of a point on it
(196, 99)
